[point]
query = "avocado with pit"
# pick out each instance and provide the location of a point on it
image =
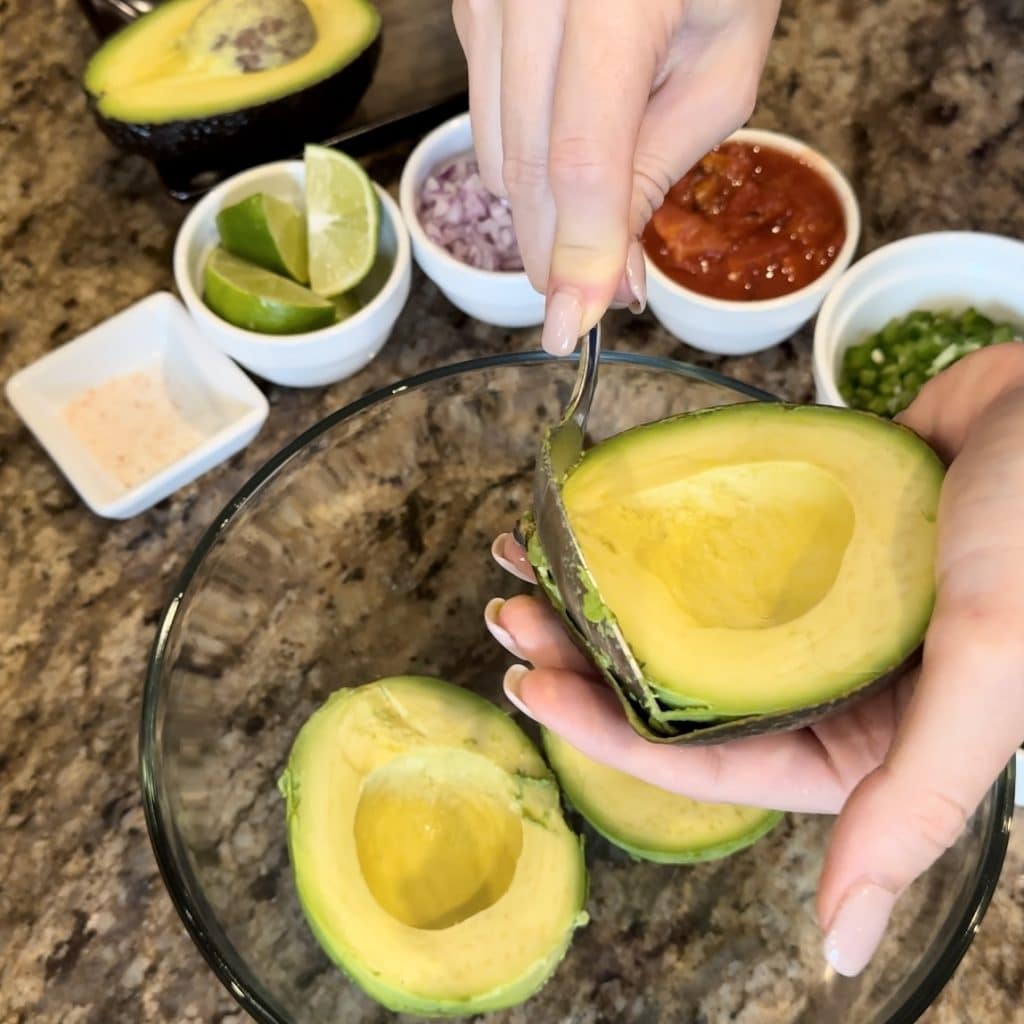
(429, 849)
(764, 562)
(233, 80)
(650, 823)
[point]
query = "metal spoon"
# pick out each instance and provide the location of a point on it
(560, 450)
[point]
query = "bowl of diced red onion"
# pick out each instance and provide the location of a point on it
(462, 235)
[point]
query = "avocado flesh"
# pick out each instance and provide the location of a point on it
(764, 561)
(429, 849)
(650, 823)
(233, 80)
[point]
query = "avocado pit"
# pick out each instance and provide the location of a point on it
(250, 35)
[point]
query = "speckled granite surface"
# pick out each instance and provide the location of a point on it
(921, 102)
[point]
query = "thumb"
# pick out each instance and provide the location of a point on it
(966, 717)
(961, 728)
(890, 831)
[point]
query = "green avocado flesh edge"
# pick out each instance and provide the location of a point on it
(760, 559)
(650, 823)
(429, 849)
(167, 67)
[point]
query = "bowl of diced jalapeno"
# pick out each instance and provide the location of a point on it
(909, 310)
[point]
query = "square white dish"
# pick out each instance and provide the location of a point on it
(157, 337)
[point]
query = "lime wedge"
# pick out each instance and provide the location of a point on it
(342, 221)
(249, 296)
(345, 305)
(266, 231)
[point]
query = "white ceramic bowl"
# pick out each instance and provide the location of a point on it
(941, 270)
(736, 328)
(158, 338)
(296, 360)
(503, 298)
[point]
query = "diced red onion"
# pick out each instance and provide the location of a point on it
(460, 215)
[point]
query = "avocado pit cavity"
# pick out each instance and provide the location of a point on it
(742, 546)
(437, 837)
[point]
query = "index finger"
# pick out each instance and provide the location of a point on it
(782, 771)
(603, 85)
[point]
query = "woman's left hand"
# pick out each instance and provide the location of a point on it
(903, 768)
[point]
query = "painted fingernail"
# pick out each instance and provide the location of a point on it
(511, 684)
(857, 928)
(636, 277)
(561, 324)
(502, 635)
(510, 557)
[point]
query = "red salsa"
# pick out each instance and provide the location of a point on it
(747, 222)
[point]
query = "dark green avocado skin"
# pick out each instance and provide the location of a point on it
(265, 131)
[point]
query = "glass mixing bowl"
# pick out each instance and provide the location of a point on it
(361, 551)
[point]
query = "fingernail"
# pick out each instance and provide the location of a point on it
(502, 635)
(636, 277)
(518, 565)
(511, 683)
(857, 928)
(561, 324)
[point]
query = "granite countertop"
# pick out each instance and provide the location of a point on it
(921, 103)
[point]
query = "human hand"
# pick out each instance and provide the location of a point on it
(902, 768)
(584, 114)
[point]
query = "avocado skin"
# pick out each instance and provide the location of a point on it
(689, 733)
(250, 135)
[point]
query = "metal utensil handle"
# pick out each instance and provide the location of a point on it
(582, 396)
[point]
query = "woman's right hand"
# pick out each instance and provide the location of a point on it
(585, 112)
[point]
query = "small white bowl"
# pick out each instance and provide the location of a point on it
(942, 270)
(295, 360)
(735, 328)
(504, 298)
(155, 336)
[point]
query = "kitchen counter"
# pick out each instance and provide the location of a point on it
(921, 103)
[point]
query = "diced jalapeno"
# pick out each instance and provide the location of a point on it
(886, 370)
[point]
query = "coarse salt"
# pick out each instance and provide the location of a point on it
(131, 426)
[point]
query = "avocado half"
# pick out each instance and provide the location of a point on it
(765, 562)
(429, 849)
(233, 81)
(650, 823)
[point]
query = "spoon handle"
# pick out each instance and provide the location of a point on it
(582, 396)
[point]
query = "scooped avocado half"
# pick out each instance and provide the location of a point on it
(650, 823)
(764, 562)
(233, 79)
(429, 849)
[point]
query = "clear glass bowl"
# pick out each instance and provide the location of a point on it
(361, 551)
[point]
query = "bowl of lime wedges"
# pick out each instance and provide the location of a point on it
(296, 269)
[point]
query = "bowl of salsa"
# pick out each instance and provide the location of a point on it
(748, 242)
